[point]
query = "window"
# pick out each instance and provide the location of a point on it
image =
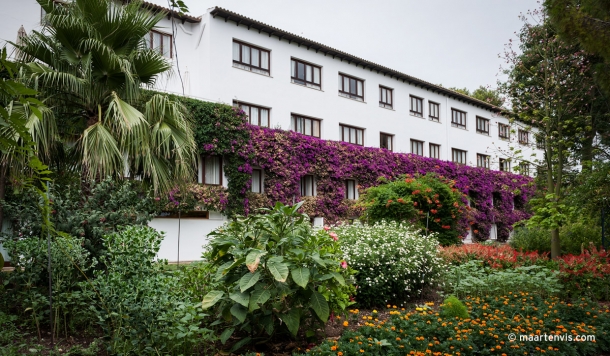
(160, 42)
(417, 147)
(351, 189)
(458, 118)
(352, 135)
(250, 58)
(482, 160)
(257, 115)
(305, 74)
(496, 199)
(524, 169)
(212, 170)
(434, 111)
(540, 144)
(351, 87)
(385, 97)
(306, 125)
(524, 137)
(417, 108)
(482, 125)
(504, 131)
(435, 151)
(504, 165)
(458, 156)
(257, 180)
(308, 186)
(386, 141)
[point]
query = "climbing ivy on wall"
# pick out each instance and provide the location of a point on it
(286, 156)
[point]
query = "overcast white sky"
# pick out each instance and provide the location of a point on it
(451, 42)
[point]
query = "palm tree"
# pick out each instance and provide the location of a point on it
(90, 63)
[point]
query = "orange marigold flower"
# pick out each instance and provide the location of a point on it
(345, 323)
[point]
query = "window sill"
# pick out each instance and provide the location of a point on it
(249, 71)
(387, 108)
(417, 116)
(348, 98)
(461, 128)
(434, 120)
(483, 134)
(305, 86)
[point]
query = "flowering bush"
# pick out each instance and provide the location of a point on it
(276, 275)
(429, 200)
(394, 262)
(587, 274)
(492, 319)
(195, 197)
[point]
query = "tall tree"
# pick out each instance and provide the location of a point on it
(549, 84)
(488, 95)
(90, 63)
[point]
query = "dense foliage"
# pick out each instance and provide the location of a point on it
(394, 262)
(141, 309)
(574, 237)
(106, 206)
(430, 201)
(286, 156)
(277, 276)
(424, 332)
(586, 274)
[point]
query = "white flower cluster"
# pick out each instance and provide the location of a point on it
(393, 260)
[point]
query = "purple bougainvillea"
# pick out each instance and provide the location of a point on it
(286, 156)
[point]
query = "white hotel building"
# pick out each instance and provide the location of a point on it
(286, 81)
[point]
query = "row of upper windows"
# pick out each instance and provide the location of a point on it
(256, 59)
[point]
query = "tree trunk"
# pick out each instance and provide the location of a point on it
(555, 247)
(2, 191)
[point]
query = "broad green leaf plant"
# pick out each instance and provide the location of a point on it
(278, 275)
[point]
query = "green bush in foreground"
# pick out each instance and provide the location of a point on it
(277, 275)
(473, 279)
(394, 262)
(487, 331)
(453, 308)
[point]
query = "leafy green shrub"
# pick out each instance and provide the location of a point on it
(474, 279)
(141, 308)
(430, 201)
(28, 282)
(8, 330)
(574, 237)
(453, 308)
(393, 261)
(91, 214)
(277, 274)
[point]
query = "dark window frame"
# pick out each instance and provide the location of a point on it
(305, 82)
(260, 57)
(420, 144)
(160, 48)
(348, 94)
(540, 144)
(293, 122)
(455, 151)
(389, 92)
(438, 111)
(259, 108)
(486, 159)
(524, 168)
(503, 165)
(391, 140)
(342, 126)
(219, 170)
(354, 191)
(303, 185)
(524, 136)
(482, 125)
(414, 112)
(437, 149)
(459, 120)
(504, 131)
(260, 181)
